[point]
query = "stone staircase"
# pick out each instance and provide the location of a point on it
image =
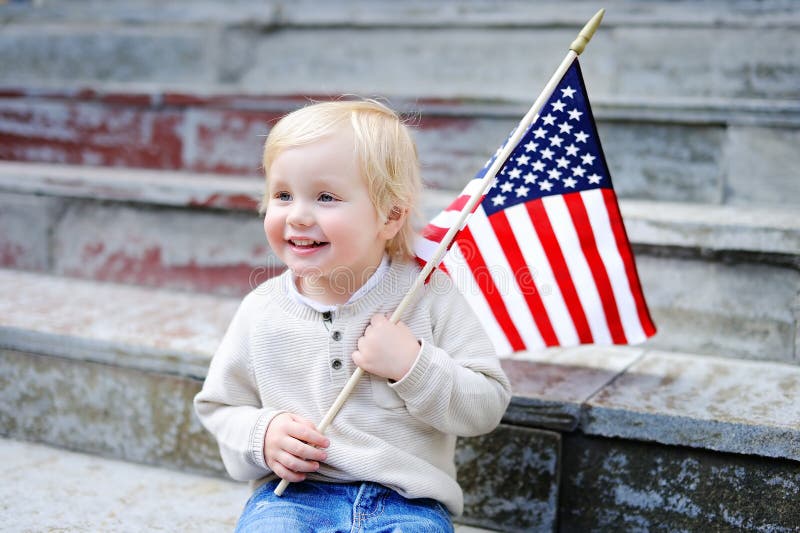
(130, 138)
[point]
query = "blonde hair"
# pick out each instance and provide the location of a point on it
(386, 154)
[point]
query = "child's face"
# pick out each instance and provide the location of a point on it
(320, 220)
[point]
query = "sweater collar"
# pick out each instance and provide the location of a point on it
(374, 279)
(388, 290)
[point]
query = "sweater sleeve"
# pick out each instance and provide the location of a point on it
(456, 383)
(229, 404)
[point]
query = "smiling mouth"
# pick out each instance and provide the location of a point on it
(306, 243)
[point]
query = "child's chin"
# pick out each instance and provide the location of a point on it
(306, 271)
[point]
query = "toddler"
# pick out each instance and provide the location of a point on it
(342, 181)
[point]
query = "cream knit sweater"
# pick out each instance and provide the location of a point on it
(279, 355)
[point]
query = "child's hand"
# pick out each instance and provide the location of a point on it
(387, 350)
(291, 447)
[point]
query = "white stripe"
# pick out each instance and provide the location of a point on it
(472, 187)
(503, 276)
(445, 219)
(462, 277)
(425, 248)
(607, 247)
(578, 267)
(546, 283)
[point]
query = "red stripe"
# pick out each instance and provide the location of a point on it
(485, 282)
(522, 274)
(624, 247)
(459, 203)
(584, 230)
(434, 233)
(541, 223)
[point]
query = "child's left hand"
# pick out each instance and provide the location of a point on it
(387, 350)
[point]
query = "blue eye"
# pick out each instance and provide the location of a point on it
(325, 197)
(283, 196)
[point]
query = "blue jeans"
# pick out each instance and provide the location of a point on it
(315, 506)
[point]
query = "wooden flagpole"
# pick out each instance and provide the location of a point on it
(576, 48)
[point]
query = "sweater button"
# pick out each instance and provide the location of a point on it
(337, 335)
(336, 364)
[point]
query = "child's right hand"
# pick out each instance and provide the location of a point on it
(292, 446)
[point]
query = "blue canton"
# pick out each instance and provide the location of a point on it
(559, 154)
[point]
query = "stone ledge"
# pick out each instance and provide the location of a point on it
(50, 489)
(698, 110)
(70, 491)
(371, 13)
(731, 405)
(716, 228)
(147, 329)
(708, 402)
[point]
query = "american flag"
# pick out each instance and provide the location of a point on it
(544, 259)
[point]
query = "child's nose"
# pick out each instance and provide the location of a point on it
(300, 214)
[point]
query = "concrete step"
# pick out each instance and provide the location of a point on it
(69, 491)
(111, 370)
(719, 279)
(414, 49)
(52, 489)
(685, 150)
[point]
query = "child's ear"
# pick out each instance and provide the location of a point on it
(396, 213)
(394, 222)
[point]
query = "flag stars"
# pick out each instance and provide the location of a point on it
(555, 140)
(564, 127)
(562, 162)
(506, 186)
(514, 173)
(570, 183)
(581, 137)
(588, 159)
(540, 133)
(523, 160)
(549, 119)
(554, 174)
(547, 153)
(567, 92)
(572, 150)
(575, 114)
(529, 178)
(578, 171)
(594, 179)
(522, 191)
(558, 106)
(538, 166)
(499, 200)
(531, 146)
(544, 185)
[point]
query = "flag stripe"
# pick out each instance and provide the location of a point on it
(425, 248)
(577, 267)
(434, 233)
(615, 268)
(472, 255)
(522, 273)
(615, 219)
(536, 258)
(555, 257)
(458, 270)
(459, 203)
(505, 280)
(588, 243)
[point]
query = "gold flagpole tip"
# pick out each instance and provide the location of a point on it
(587, 32)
